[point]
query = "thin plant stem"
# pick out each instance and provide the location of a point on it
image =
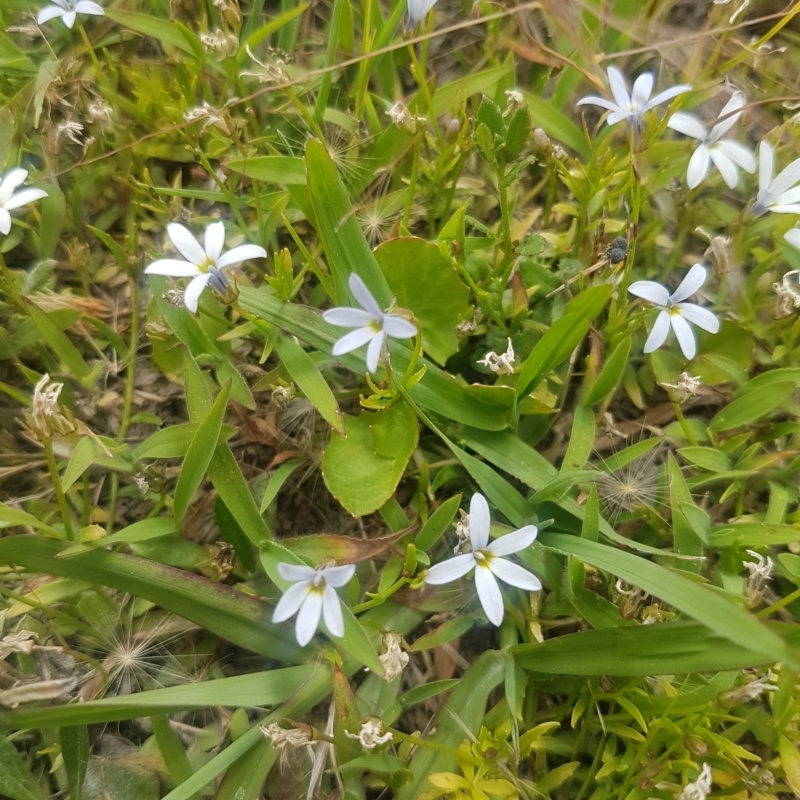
(687, 431)
(58, 488)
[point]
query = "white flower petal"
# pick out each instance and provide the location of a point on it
(214, 241)
(11, 183)
(191, 294)
(514, 575)
(688, 125)
(308, 618)
(793, 237)
(339, 576)
(374, 351)
(5, 221)
(642, 89)
(617, 116)
(698, 166)
(418, 10)
(296, 572)
(738, 153)
(352, 341)
(48, 13)
(24, 197)
(619, 89)
(738, 100)
(787, 178)
(685, 335)
(172, 267)
(699, 316)
(480, 521)
(450, 570)
(784, 199)
(694, 279)
(600, 101)
(332, 611)
(291, 601)
(88, 7)
(659, 333)
(489, 594)
(69, 18)
(666, 95)
(725, 166)
(651, 291)
(348, 317)
(186, 244)
(513, 542)
(242, 253)
(766, 158)
(364, 296)
(792, 209)
(398, 327)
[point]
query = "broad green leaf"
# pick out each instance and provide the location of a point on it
(256, 689)
(60, 343)
(424, 282)
(709, 458)
(244, 780)
(12, 517)
(437, 523)
(307, 376)
(171, 747)
(562, 337)
(276, 481)
(82, 458)
(346, 248)
(753, 534)
(452, 629)
(670, 648)
(286, 170)
(171, 442)
(166, 32)
(200, 453)
(751, 406)
(230, 614)
(685, 538)
(16, 781)
(719, 615)
(363, 470)
(581, 440)
(75, 751)
(141, 531)
(611, 374)
(467, 704)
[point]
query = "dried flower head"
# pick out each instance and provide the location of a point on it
(699, 789)
(208, 115)
(393, 658)
(759, 571)
(685, 388)
(404, 119)
(502, 364)
(788, 291)
(299, 736)
(371, 734)
(222, 42)
(46, 416)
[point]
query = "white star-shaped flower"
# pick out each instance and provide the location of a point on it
(675, 312)
(10, 198)
(68, 10)
(725, 154)
(202, 265)
(487, 561)
(631, 106)
(313, 596)
(417, 11)
(780, 195)
(372, 325)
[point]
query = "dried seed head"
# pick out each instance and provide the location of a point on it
(404, 119)
(226, 44)
(371, 734)
(299, 736)
(759, 571)
(502, 364)
(46, 416)
(700, 788)
(685, 388)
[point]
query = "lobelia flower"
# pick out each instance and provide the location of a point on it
(725, 154)
(675, 312)
(417, 10)
(10, 198)
(487, 561)
(68, 10)
(372, 325)
(780, 195)
(312, 596)
(203, 266)
(631, 106)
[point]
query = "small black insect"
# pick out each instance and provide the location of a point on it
(617, 251)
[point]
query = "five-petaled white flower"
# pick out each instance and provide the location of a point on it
(68, 10)
(417, 10)
(675, 312)
(487, 561)
(372, 325)
(203, 266)
(779, 195)
(10, 198)
(312, 596)
(631, 106)
(726, 154)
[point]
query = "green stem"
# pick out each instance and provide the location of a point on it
(782, 603)
(130, 378)
(58, 488)
(687, 431)
(419, 74)
(90, 49)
